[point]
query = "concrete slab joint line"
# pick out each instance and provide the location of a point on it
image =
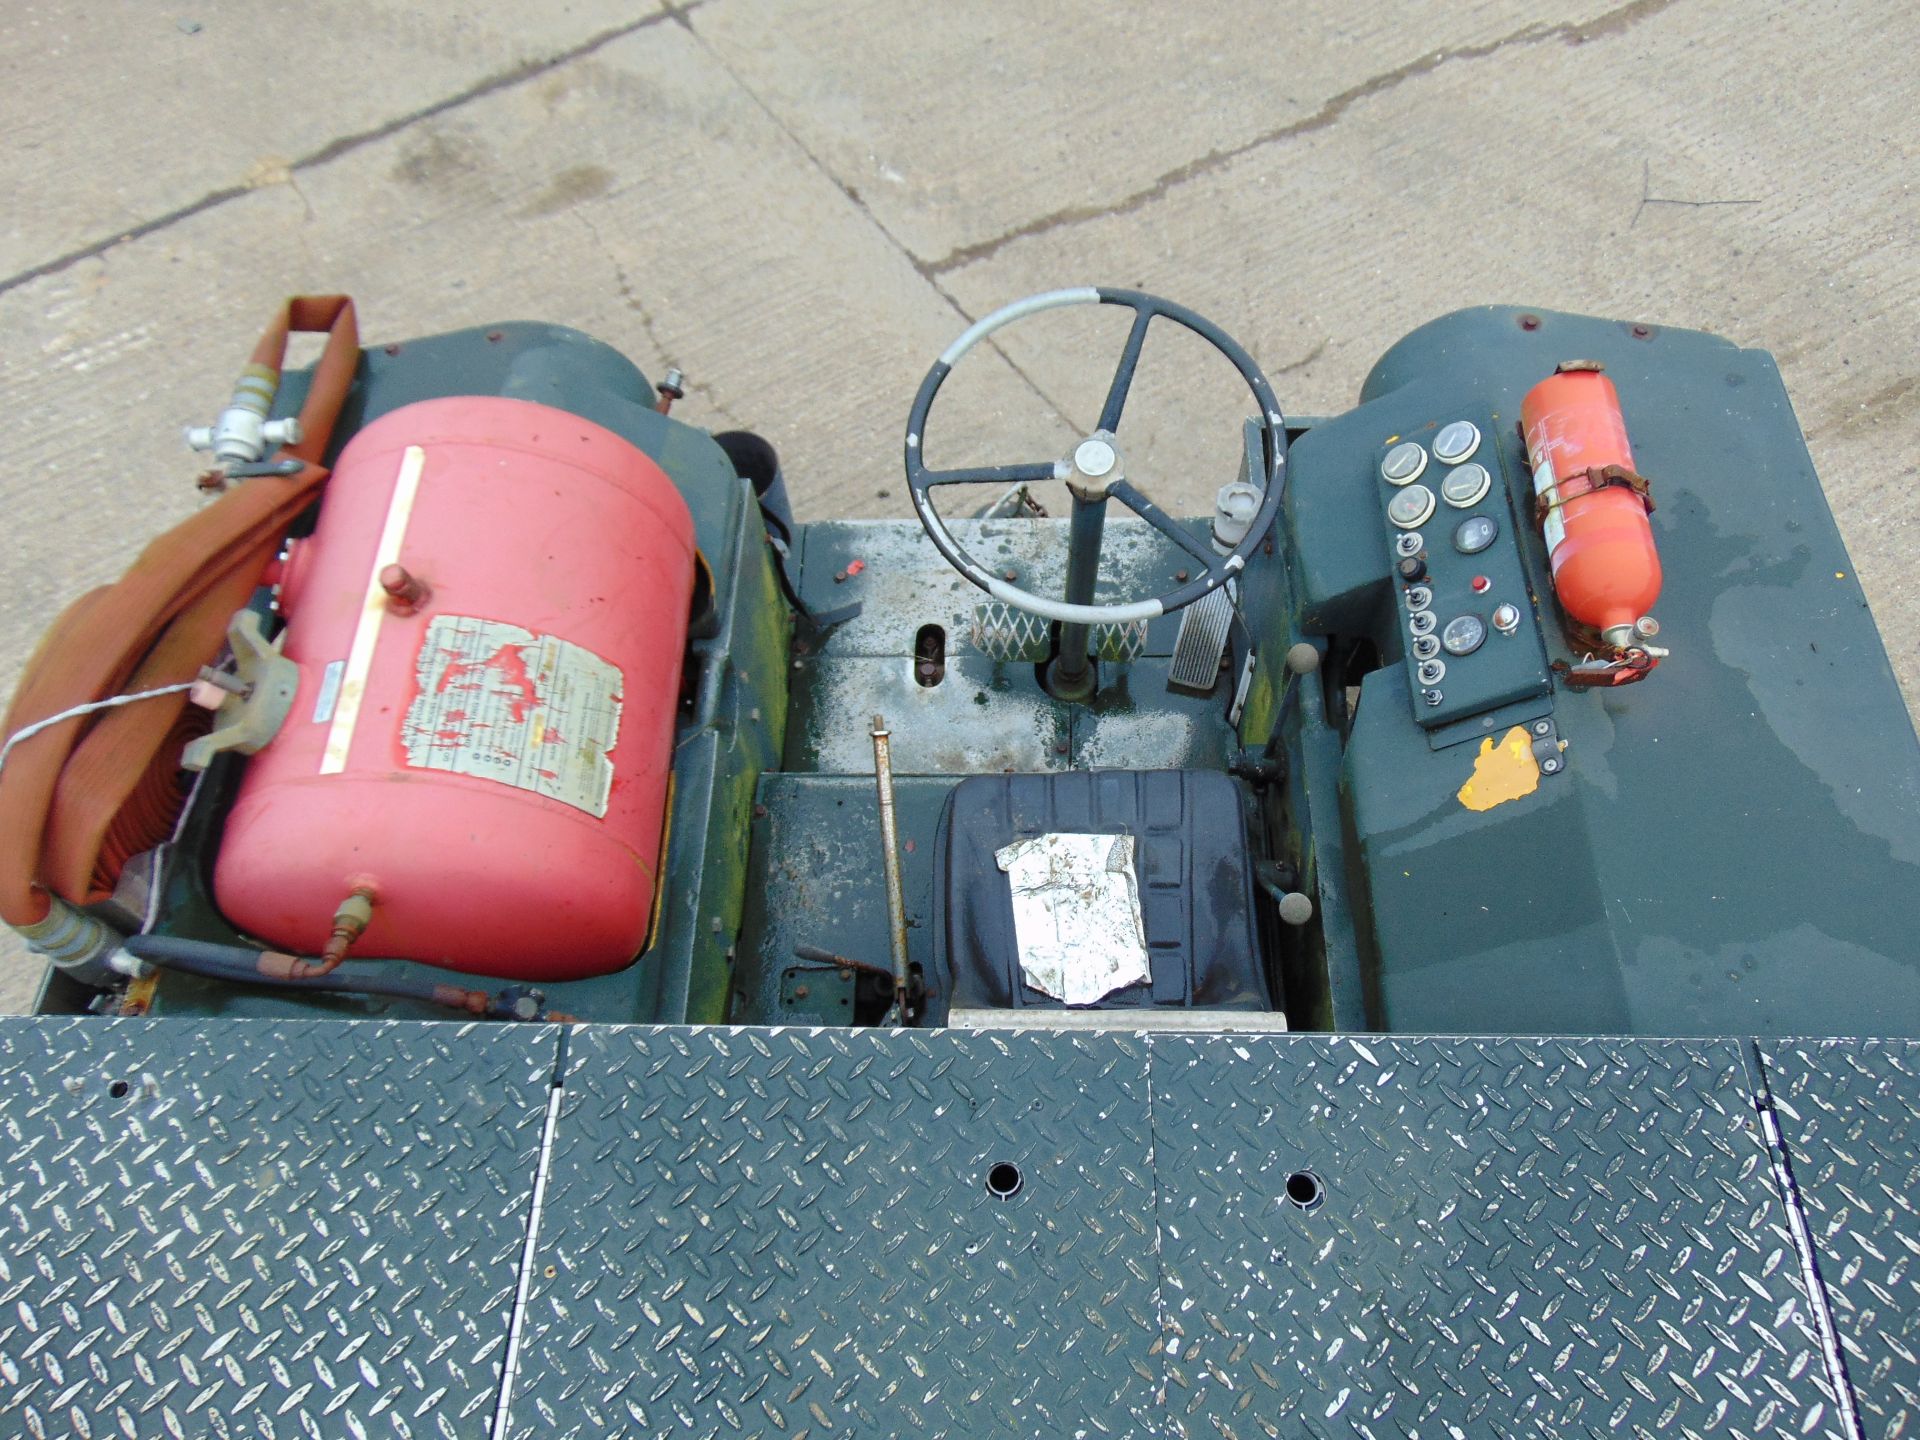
(1612, 22)
(853, 198)
(346, 144)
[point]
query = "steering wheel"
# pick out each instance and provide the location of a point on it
(1095, 470)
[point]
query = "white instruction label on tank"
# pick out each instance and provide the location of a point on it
(532, 711)
(329, 696)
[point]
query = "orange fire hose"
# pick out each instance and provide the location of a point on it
(80, 797)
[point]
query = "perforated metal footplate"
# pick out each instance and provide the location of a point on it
(1849, 1112)
(790, 1232)
(259, 1230)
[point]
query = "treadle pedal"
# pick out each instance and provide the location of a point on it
(1201, 642)
(1001, 632)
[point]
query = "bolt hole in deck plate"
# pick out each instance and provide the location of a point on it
(1004, 1180)
(1305, 1190)
(119, 1089)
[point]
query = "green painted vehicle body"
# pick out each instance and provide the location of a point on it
(1731, 848)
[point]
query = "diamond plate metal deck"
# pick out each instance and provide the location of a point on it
(315, 1229)
(1849, 1111)
(786, 1232)
(261, 1229)
(1564, 1237)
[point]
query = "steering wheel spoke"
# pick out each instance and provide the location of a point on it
(993, 474)
(1123, 372)
(1124, 492)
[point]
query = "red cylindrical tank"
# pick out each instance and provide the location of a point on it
(1606, 569)
(483, 738)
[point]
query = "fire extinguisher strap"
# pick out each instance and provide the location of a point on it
(1599, 477)
(1620, 667)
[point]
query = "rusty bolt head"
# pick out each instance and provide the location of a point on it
(1529, 322)
(800, 992)
(1640, 332)
(1009, 575)
(1180, 577)
(759, 812)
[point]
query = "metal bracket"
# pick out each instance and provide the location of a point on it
(248, 718)
(1548, 752)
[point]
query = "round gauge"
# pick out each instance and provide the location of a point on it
(1464, 634)
(1475, 533)
(1456, 442)
(1403, 462)
(1467, 486)
(1411, 508)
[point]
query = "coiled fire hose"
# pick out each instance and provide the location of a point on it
(81, 796)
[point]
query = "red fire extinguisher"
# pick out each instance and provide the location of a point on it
(1592, 507)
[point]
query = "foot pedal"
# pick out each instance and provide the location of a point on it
(1204, 626)
(1001, 632)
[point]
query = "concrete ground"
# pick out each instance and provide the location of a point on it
(800, 202)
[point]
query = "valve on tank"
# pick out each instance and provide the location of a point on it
(1592, 507)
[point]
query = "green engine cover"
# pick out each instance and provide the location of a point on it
(1731, 846)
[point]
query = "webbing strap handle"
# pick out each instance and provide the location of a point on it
(157, 625)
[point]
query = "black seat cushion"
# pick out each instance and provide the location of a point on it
(1190, 859)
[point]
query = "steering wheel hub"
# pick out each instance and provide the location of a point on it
(1094, 467)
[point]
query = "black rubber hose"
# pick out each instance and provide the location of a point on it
(239, 964)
